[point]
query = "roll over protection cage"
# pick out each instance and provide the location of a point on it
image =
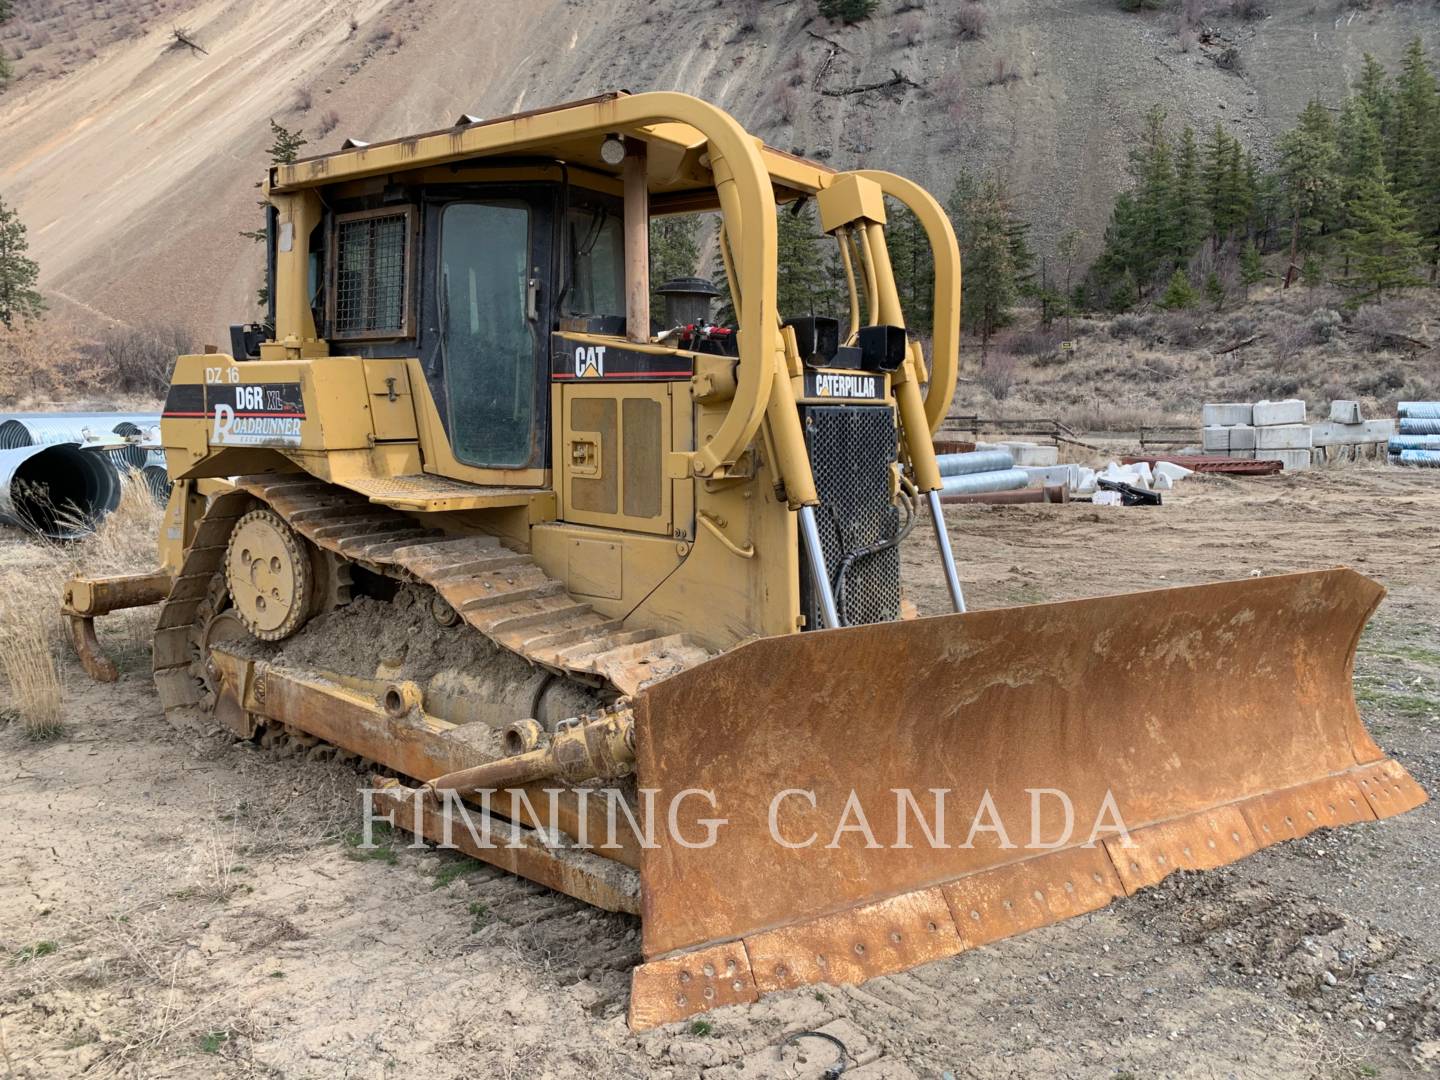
(744, 186)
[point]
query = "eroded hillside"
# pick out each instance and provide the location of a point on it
(133, 158)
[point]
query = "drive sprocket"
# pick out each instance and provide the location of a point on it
(269, 575)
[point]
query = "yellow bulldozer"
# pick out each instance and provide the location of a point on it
(613, 600)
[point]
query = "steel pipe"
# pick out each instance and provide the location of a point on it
(60, 492)
(997, 480)
(157, 479)
(1420, 409)
(976, 461)
(1413, 442)
(33, 429)
(819, 573)
(1429, 459)
(947, 557)
(1416, 425)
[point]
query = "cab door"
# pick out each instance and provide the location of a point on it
(487, 326)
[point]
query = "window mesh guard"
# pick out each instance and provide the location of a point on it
(370, 278)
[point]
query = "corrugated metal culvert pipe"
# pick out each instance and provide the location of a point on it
(60, 492)
(47, 428)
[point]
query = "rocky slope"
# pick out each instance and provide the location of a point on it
(133, 159)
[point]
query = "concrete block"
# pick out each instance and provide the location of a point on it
(1032, 454)
(1226, 413)
(1215, 439)
(1042, 475)
(1329, 433)
(1283, 437)
(1345, 412)
(1289, 411)
(1293, 460)
(1242, 437)
(1039, 456)
(1247, 453)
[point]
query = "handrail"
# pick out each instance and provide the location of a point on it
(748, 206)
(945, 346)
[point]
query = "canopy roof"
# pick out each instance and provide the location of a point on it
(678, 175)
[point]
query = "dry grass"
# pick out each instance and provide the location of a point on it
(28, 663)
(32, 574)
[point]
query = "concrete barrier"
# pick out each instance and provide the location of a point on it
(1289, 411)
(1293, 460)
(1283, 437)
(1227, 413)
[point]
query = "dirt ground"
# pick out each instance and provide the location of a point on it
(174, 905)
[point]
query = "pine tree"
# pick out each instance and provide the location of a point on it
(1372, 92)
(800, 282)
(914, 267)
(988, 286)
(1215, 290)
(1361, 153)
(674, 252)
(6, 9)
(1252, 267)
(285, 149)
(19, 299)
(1308, 165)
(1152, 166)
(1022, 259)
(1114, 272)
(1189, 209)
(1416, 107)
(1228, 187)
(1312, 274)
(1414, 154)
(849, 11)
(1380, 248)
(1179, 293)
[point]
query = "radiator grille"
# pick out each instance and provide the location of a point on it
(851, 450)
(370, 275)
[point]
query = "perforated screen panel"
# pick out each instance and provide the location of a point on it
(370, 275)
(851, 450)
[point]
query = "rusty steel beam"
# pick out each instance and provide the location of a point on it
(581, 874)
(85, 598)
(1050, 493)
(402, 737)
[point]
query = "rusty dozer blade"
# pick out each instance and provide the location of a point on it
(1205, 722)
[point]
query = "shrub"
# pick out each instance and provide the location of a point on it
(1248, 9)
(1003, 72)
(997, 375)
(140, 359)
(1034, 342)
(970, 21)
(848, 11)
(787, 102)
(911, 28)
(1323, 323)
(1181, 331)
(794, 70)
(1139, 5)
(1125, 326)
(329, 121)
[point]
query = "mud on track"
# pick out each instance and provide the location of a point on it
(175, 905)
